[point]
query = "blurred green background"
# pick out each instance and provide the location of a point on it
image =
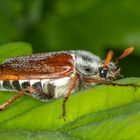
(93, 25)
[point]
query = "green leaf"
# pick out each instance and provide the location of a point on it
(14, 49)
(101, 112)
(90, 113)
(96, 25)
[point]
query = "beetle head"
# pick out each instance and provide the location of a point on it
(110, 70)
(91, 66)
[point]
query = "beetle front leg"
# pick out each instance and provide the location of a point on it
(123, 85)
(104, 82)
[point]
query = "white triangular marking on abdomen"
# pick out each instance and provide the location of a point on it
(44, 84)
(33, 82)
(61, 86)
(12, 85)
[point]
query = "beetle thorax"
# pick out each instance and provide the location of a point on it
(86, 63)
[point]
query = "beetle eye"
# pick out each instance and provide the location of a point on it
(103, 72)
(87, 69)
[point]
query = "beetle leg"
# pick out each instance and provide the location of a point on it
(122, 84)
(112, 83)
(72, 84)
(18, 95)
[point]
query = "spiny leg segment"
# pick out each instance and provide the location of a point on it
(112, 83)
(15, 97)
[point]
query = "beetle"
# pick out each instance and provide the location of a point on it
(47, 76)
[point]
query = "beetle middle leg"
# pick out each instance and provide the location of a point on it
(72, 84)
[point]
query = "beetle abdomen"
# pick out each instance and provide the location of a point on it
(18, 85)
(53, 87)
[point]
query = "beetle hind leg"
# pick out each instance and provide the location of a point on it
(28, 90)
